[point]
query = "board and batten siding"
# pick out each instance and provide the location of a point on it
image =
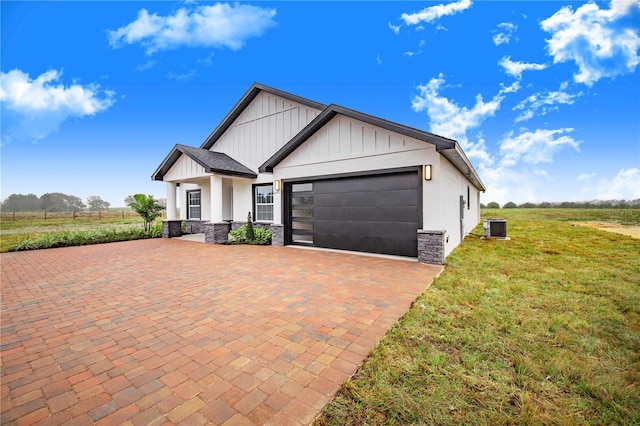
(265, 125)
(184, 168)
(346, 145)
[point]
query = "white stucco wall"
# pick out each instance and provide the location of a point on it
(452, 184)
(205, 199)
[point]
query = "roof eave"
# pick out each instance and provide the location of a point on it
(459, 159)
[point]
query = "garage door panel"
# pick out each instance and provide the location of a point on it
(366, 198)
(396, 246)
(367, 183)
(398, 213)
(374, 213)
(352, 228)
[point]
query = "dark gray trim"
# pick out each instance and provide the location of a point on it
(246, 99)
(354, 174)
(445, 146)
(213, 162)
(187, 193)
(253, 201)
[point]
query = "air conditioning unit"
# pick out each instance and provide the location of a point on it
(495, 228)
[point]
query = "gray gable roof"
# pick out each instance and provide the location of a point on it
(213, 162)
(242, 104)
(449, 148)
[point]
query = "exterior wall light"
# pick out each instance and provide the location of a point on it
(276, 185)
(426, 172)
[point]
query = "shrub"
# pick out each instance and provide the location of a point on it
(156, 230)
(261, 236)
(510, 205)
(90, 236)
(493, 205)
(250, 232)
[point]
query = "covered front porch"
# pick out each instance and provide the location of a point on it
(208, 192)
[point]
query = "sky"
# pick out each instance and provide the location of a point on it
(544, 97)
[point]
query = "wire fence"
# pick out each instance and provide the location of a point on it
(76, 215)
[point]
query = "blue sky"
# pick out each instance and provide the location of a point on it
(544, 97)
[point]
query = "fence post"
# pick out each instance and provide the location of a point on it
(45, 215)
(123, 214)
(14, 216)
(99, 214)
(74, 215)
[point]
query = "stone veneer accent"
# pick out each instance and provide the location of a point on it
(277, 235)
(216, 233)
(194, 226)
(171, 228)
(235, 225)
(431, 247)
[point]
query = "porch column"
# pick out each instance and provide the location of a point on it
(171, 201)
(215, 184)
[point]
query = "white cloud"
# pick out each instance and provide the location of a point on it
(417, 52)
(378, 60)
(585, 176)
(34, 108)
(516, 69)
(453, 121)
(219, 25)
(147, 65)
(506, 32)
(541, 103)
(182, 77)
(431, 13)
(506, 184)
(535, 147)
(600, 42)
(625, 185)
(394, 28)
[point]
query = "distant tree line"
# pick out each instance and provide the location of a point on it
(52, 202)
(595, 204)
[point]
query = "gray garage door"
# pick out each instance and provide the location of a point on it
(376, 214)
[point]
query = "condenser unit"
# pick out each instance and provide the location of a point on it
(495, 228)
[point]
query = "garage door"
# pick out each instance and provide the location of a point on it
(376, 214)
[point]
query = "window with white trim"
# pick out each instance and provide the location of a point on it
(263, 198)
(193, 205)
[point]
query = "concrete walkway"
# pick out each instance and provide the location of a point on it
(169, 331)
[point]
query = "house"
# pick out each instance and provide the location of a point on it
(323, 176)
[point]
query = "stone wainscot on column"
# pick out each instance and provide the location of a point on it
(171, 228)
(216, 233)
(277, 235)
(431, 246)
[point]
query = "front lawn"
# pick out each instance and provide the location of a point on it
(541, 329)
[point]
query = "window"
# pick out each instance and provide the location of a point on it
(263, 196)
(193, 204)
(468, 198)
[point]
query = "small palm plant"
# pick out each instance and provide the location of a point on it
(147, 207)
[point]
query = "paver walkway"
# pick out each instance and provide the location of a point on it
(165, 331)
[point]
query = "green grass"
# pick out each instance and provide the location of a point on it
(32, 232)
(85, 237)
(541, 329)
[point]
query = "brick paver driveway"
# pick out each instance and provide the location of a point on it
(166, 331)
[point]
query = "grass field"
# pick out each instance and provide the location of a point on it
(541, 329)
(31, 225)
